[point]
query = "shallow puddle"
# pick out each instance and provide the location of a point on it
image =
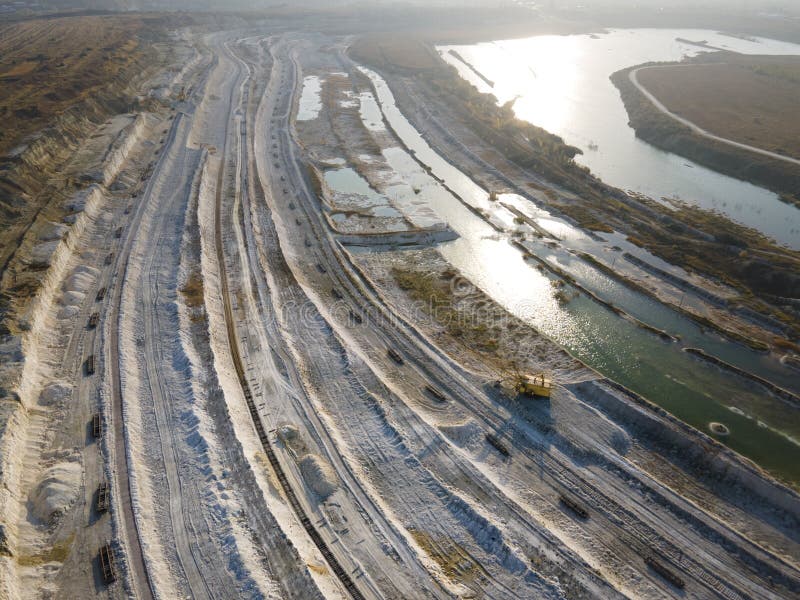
(310, 102)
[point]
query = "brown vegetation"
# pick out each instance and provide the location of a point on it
(192, 290)
(47, 65)
(407, 52)
(749, 99)
(700, 241)
(434, 294)
(60, 80)
(453, 560)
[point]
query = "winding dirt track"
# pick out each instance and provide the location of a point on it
(699, 130)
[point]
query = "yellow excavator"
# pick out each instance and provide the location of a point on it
(531, 385)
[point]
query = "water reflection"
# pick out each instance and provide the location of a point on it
(310, 102)
(353, 193)
(615, 346)
(562, 84)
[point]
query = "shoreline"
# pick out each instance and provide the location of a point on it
(659, 223)
(625, 401)
(665, 133)
(701, 320)
(390, 81)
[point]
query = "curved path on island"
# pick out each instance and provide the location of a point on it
(699, 130)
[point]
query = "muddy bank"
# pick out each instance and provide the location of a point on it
(706, 295)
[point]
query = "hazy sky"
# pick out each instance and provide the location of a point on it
(725, 6)
(722, 4)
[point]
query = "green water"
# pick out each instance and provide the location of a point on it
(762, 427)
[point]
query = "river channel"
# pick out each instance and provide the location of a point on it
(561, 83)
(762, 427)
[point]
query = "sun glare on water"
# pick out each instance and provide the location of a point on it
(529, 86)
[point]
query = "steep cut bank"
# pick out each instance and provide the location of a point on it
(63, 197)
(62, 81)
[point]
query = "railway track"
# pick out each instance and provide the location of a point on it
(238, 363)
(647, 533)
(144, 586)
(287, 367)
(643, 536)
(332, 257)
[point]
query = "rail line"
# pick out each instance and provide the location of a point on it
(642, 536)
(337, 263)
(230, 326)
(141, 580)
(144, 586)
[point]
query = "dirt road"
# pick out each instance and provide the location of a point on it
(698, 130)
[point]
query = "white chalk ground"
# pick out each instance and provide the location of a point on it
(407, 490)
(242, 547)
(396, 440)
(286, 524)
(206, 439)
(48, 481)
(304, 570)
(49, 469)
(172, 433)
(57, 489)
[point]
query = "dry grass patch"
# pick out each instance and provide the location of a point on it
(454, 561)
(398, 51)
(194, 296)
(56, 553)
(193, 290)
(752, 100)
(440, 296)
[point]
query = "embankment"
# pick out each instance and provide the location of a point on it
(604, 303)
(692, 449)
(781, 393)
(421, 237)
(658, 129)
(117, 151)
(21, 373)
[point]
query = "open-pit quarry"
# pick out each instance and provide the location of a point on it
(263, 361)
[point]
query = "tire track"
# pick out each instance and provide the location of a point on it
(233, 344)
(643, 537)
